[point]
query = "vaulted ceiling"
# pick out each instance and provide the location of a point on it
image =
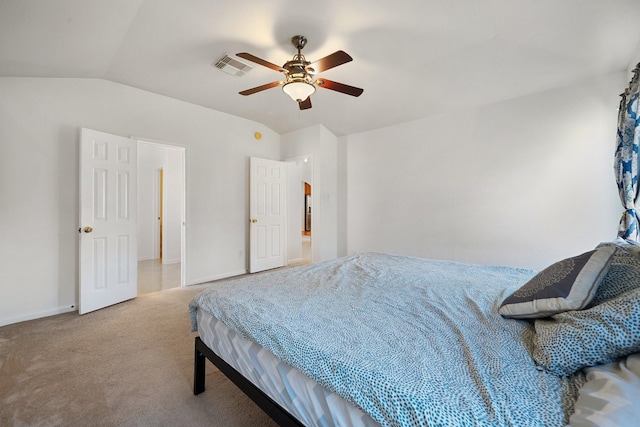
(414, 58)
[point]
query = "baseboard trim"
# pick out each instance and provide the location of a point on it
(295, 261)
(212, 278)
(4, 321)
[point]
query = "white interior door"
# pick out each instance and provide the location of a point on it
(267, 214)
(108, 211)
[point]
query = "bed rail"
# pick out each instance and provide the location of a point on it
(268, 405)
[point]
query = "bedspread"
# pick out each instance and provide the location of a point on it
(409, 341)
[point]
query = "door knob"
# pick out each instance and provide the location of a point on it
(88, 229)
(253, 220)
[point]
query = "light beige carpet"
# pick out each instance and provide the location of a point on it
(126, 365)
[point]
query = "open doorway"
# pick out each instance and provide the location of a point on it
(300, 224)
(161, 172)
(306, 229)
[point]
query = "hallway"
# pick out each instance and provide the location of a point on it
(154, 276)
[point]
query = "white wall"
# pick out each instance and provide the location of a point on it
(39, 131)
(524, 182)
(151, 158)
(342, 203)
(321, 144)
(173, 202)
(294, 200)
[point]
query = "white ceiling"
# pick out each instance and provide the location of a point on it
(414, 58)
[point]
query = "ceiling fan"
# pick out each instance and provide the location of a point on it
(299, 74)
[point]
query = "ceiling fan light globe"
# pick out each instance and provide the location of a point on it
(298, 91)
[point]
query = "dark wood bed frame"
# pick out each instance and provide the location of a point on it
(274, 410)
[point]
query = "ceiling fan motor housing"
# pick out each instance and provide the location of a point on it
(297, 70)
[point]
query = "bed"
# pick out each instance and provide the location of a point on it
(379, 339)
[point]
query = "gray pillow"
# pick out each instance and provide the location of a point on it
(607, 329)
(569, 284)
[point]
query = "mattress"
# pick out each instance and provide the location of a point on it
(408, 341)
(302, 397)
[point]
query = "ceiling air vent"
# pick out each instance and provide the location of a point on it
(232, 66)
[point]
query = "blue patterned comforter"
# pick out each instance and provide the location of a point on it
(409, 341)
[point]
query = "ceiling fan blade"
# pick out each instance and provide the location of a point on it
(339, 87)
(336, 58)
(253, 58)
(261, 88)
(306, 104)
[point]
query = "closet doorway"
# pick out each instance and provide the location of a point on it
(161, 208)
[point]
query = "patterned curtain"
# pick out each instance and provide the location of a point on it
(626, 159)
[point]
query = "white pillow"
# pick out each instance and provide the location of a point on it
(611, 395)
